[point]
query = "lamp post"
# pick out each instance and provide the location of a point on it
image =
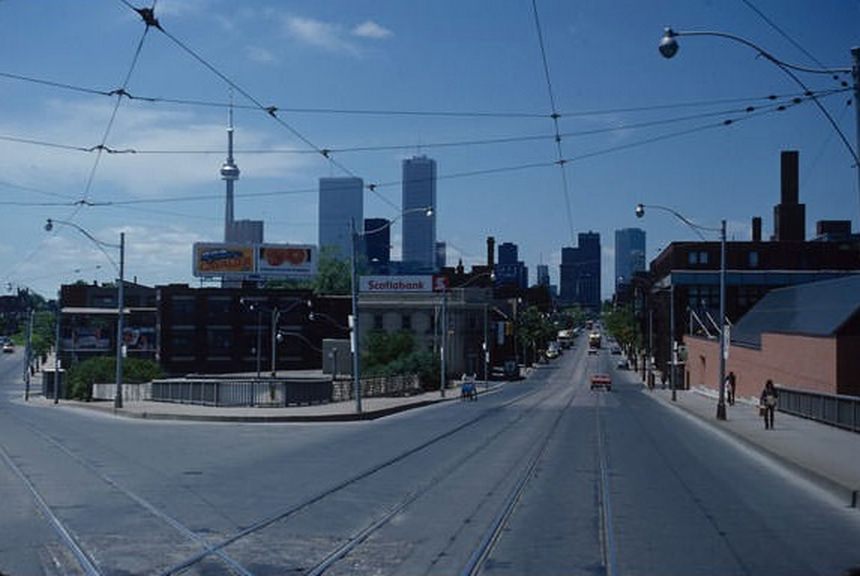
(356, 236)
(669, 47)
(120, 300)
(721, 402)
(276, 313)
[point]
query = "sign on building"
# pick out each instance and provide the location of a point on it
(398, 284)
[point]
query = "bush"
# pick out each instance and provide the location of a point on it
(102, 370)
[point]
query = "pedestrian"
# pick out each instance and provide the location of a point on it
(663, 379)
(767, 404)
(730, 388)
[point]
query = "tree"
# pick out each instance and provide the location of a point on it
(534, 329)
(102, 369)
(334, 274)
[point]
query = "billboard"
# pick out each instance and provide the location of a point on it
(286, 260)
(223, 259)
(234, 260)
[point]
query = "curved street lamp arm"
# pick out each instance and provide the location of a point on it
(101, 245)
(788, 69)
(670, 33)
(697, 228)
(426, 209)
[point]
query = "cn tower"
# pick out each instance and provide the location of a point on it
(229, 173)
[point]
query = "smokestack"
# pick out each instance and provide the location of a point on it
(491, 252)
(756, 229)
(789, 216)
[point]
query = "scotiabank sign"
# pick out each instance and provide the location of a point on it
(398, 284)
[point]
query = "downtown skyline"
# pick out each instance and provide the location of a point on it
(467, 90)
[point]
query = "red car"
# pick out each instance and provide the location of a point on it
(601, 381)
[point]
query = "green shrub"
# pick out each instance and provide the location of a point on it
(102, 370)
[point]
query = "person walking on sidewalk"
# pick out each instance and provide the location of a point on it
(730, 388)
(767, 404)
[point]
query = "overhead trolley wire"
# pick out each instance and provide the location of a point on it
(555, 116)
(780, 107)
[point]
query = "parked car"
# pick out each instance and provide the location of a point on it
(623, 365)
(616, 350)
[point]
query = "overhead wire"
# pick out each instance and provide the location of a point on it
(748, 113)
(444, 144)
(555, 116)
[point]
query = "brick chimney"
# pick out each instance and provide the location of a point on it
(756, 229)
(789, 216)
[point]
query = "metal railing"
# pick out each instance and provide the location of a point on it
(835, 410)
(237, 392)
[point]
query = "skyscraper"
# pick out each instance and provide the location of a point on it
(510, 270)
(419, 230)
(542, 275)
(629, 254)
(580, 272)
(341, 205)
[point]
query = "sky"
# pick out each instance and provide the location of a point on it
(473, 84)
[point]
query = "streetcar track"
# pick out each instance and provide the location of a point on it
(357, 539)
(292, 510)
(491, 536)
(607, 538)
(84, 561)
(72, 543)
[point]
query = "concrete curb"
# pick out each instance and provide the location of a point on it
(366, 415)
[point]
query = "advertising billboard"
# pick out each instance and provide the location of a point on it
(286, 260)
(223, 259)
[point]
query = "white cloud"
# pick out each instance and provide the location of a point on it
(259, 55)
(370, 29)
(325, 35)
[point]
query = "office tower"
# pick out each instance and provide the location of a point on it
(341, 206)
(629, 254)
(580, 272)
(543, 275)
(510, 270)
(419, 230)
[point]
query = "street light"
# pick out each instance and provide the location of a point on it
(721, 402)
(276, 316)
(669, 47)
(49, 225)
(354, 343)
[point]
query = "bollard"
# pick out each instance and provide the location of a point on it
(854, 494)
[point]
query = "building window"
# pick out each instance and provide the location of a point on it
(377, 322)
(753, 259)
(693, 257)
(406, 322)
(219, 340)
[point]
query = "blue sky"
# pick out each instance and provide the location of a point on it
(480, 59)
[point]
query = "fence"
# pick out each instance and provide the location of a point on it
(239, 391)
(403, 385)
(836, 410)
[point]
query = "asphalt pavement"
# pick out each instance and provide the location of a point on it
(824, 454)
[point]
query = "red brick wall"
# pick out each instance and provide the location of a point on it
(793, 361)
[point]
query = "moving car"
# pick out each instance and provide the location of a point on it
(601, 381)
(8, 347)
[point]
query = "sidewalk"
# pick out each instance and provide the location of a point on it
(372, 408)
(827, 455)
